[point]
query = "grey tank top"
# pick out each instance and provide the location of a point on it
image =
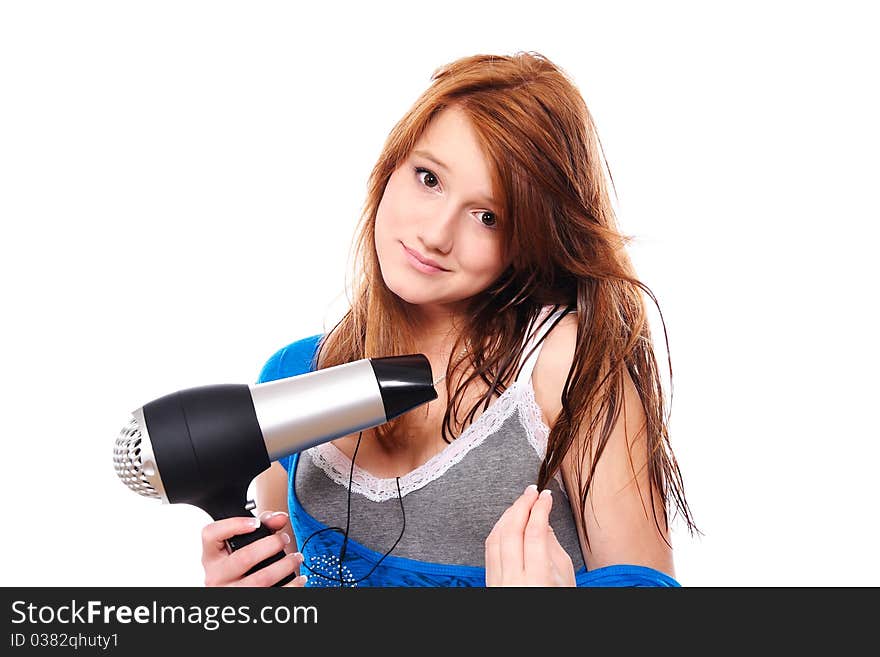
(452, 501)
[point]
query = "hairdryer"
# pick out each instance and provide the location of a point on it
(203, 446)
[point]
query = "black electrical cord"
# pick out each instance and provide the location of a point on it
(343, 582)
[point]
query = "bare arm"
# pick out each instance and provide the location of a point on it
(618, 512)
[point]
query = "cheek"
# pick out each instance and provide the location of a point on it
(482, 256)
(390, 212)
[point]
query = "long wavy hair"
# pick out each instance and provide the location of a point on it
(559, 233)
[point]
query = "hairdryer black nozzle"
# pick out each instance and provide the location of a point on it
(404, 382)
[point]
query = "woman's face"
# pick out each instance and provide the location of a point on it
(438, 204)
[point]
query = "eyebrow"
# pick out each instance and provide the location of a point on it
(425, 154)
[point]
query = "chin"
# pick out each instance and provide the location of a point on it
(411, 288)
(411, 292)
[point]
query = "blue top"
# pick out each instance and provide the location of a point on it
(360, 563)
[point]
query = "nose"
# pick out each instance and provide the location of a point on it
(438, 227)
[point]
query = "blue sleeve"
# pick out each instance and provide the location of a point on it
(292, 360)
(625, 575)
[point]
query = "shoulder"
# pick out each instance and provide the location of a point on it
(290, 360)
(552, 367)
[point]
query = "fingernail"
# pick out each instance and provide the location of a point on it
(546, 492)
(254, 521)
(265, 515)
(531, 487)
(285, 538)
(304, 578)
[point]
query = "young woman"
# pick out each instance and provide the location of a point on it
(488, 243)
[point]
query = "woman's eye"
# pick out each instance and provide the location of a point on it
(487, 216)
(427, 177)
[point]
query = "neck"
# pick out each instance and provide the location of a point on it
(435, 325)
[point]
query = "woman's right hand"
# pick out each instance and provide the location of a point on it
(225, 569)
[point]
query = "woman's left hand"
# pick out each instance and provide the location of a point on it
(522, 550)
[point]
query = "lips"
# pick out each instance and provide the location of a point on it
(427, 261)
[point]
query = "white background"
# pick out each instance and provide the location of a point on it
(180, 182)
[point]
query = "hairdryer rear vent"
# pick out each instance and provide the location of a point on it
(127, 460)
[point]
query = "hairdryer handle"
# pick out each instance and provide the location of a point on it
(240, 541)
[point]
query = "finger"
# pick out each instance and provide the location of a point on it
(535, 548)
(214, 535)
(560, 559)
(273, 573)
(276, 521)
(243, 559)
(273, 520)
(493, 558)
(510, 533)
